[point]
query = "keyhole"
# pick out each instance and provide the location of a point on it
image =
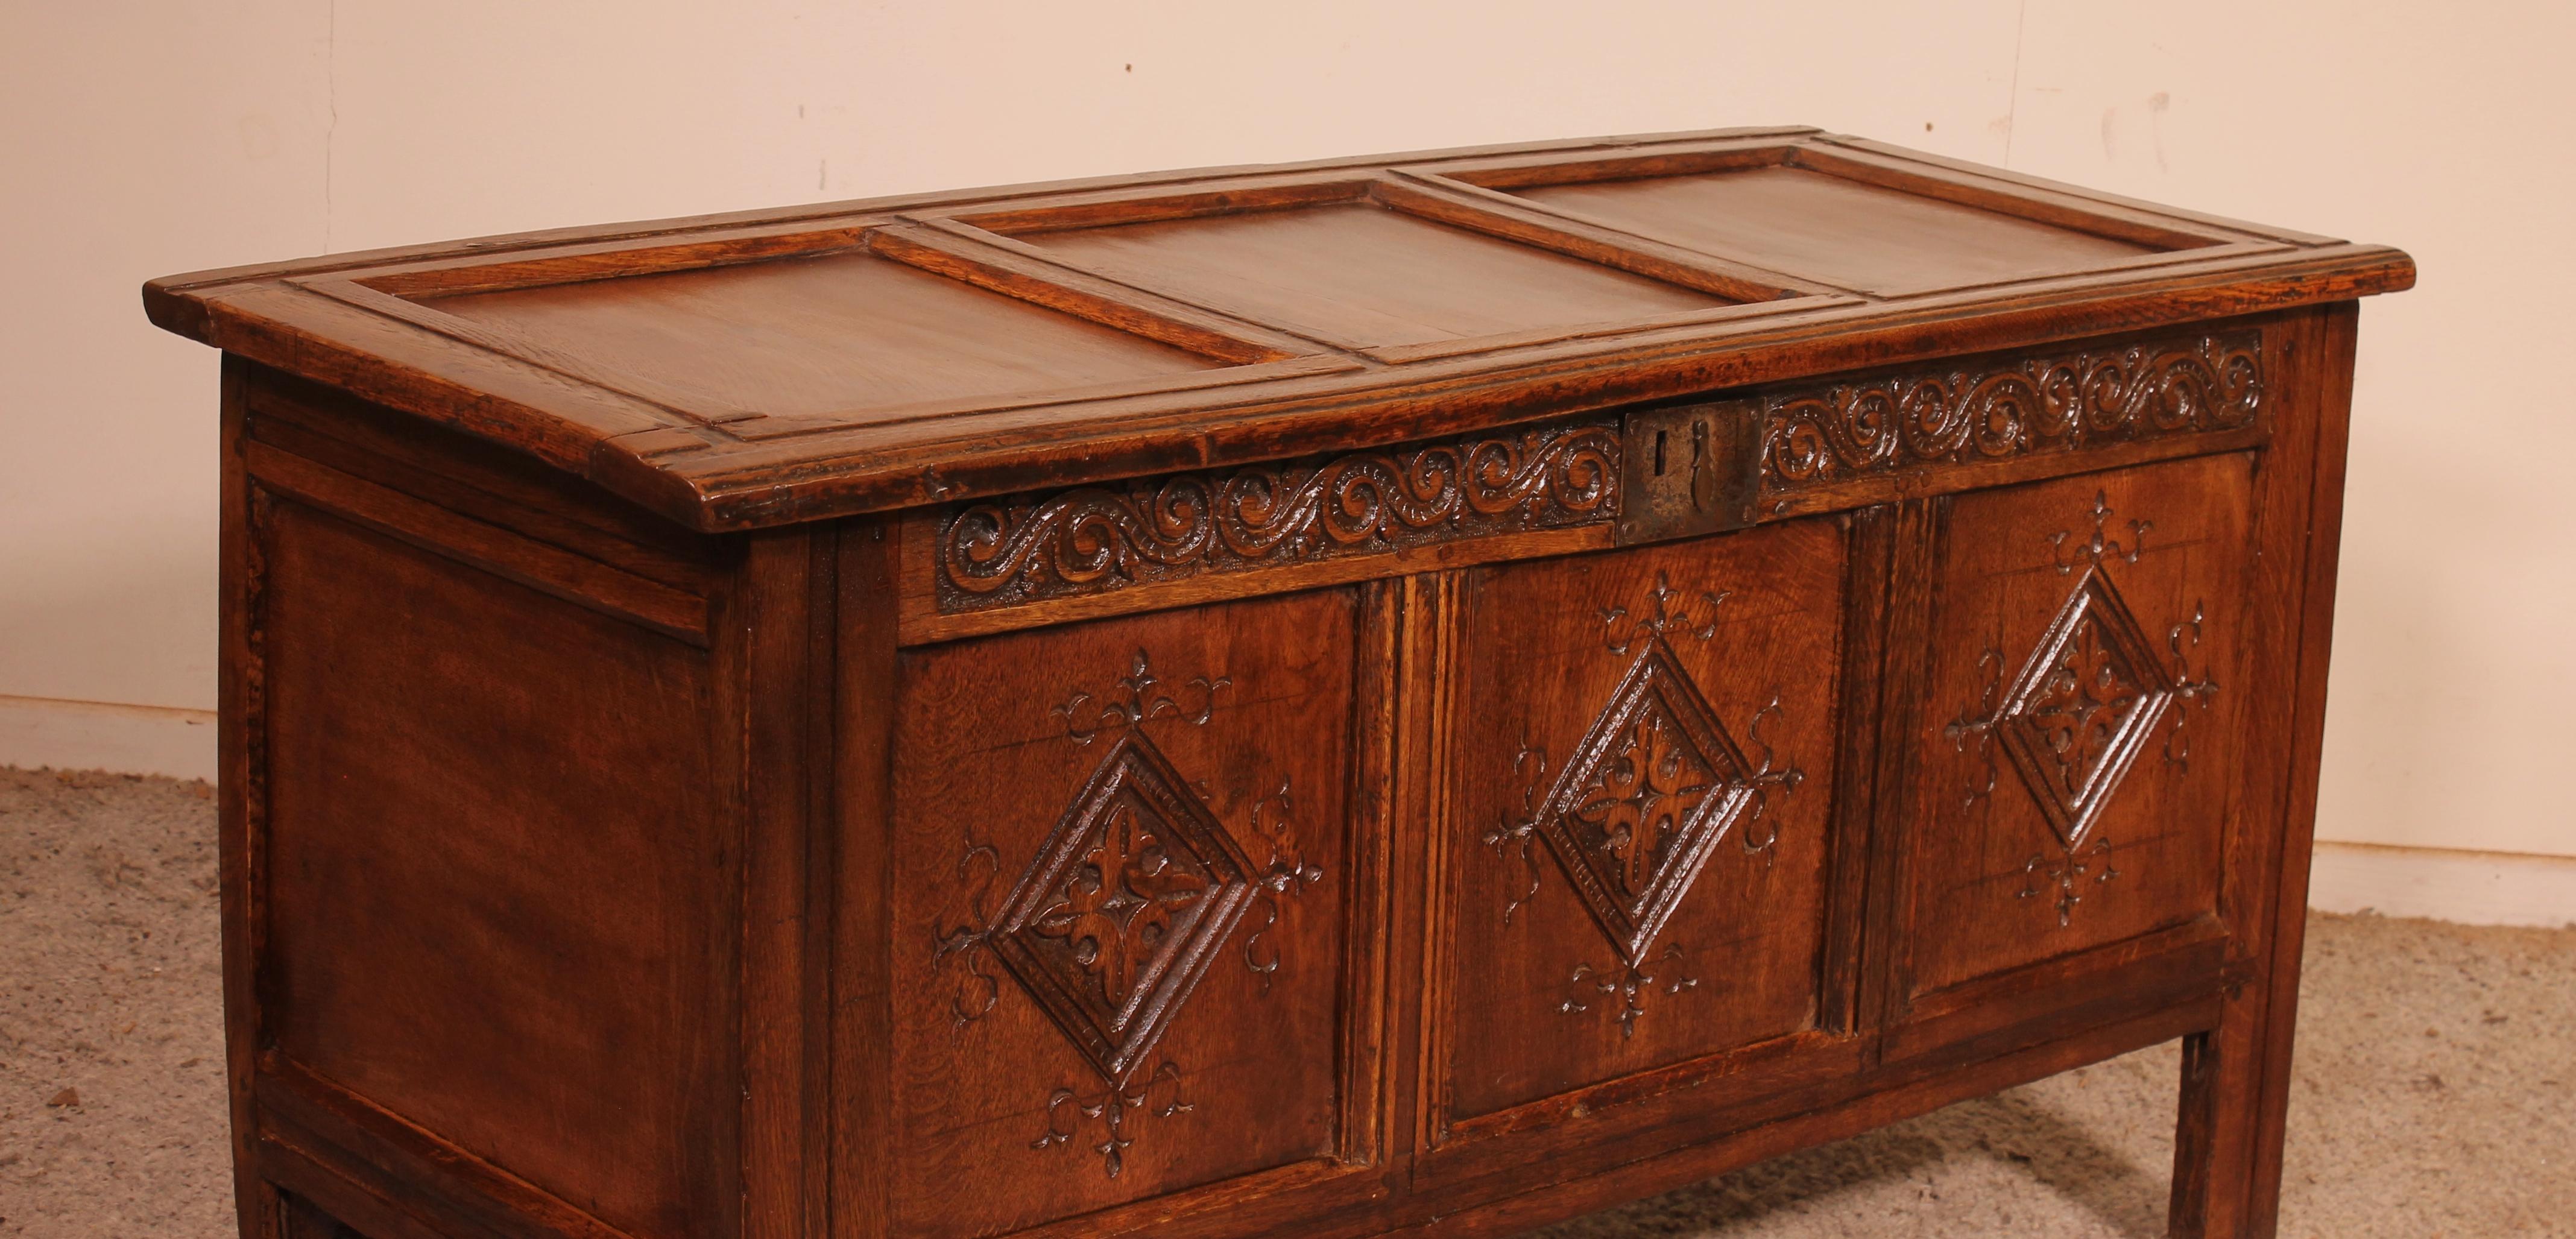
(1703, 478)
(1660, 436)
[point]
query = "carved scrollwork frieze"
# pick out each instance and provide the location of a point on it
(2026, 405)
(1098, 539)
(1093, 540)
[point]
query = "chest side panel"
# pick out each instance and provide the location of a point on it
(497, 875)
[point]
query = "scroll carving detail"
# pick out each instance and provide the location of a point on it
(1097, 539)
(2018, 406)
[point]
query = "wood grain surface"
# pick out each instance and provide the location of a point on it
(1416, 696)
(742, 371)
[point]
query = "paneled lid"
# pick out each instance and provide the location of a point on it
(756, 369)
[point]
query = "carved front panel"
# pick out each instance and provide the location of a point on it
(1119, 909)
(2074, 748)
(1642, 759)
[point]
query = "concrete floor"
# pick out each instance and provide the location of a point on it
(2433, 1097)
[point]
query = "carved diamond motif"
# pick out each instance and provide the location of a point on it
(2083, 706)
(1129, 900)
(1651, 789)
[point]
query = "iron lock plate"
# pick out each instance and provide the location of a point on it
(1689, 469)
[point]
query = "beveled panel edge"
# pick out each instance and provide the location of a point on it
(1505, 172)
(502, 553)
(701, 409)
(2173, 235)
(1775, 1062)
(2140, 265)
(1111, 208)
(352, 1139)
(463, 275)
(1261, 1201)
(1236, 352)
(2160, 968)
(1505, 343)
(2043, 185)
(1186, 537)
(2147, 226)
(1442, 199)
(168, 293)
(1129, 302)
(1742, 290)
(1001, 264)
(1728, 1090)
(717, 478)
(1698, 1145)
(832, 471)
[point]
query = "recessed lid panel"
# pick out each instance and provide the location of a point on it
(819, 361)
(1841, 231)
(1359, 275)
(815, 336)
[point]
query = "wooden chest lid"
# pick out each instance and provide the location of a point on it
(738, 371)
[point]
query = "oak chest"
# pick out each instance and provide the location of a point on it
(1424, 693)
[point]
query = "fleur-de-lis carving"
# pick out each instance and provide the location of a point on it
(1115, 920)
(1635, 811)
(1140, 699)
(2087, 699)
(1516, 836)
(1287, 873)
(1639, 797)
(1662, 616)
(2089, 690)
(1980, 727)
(1158, 1094)
(1630, 984)
(2184, 638)
(2101, 545)
(1119, 905)
(977, 990)
(2068, 874)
